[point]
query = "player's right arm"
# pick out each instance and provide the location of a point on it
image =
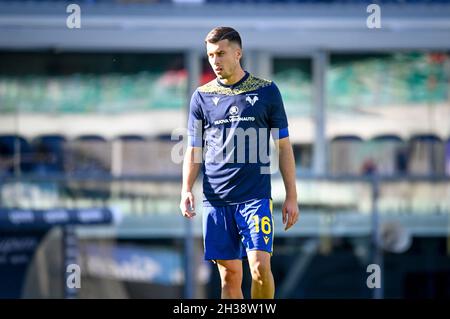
(193, 156)
(191, 169)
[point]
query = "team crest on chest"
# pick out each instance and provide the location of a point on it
(252, 100)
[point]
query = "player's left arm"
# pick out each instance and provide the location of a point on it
(290, 209)
(278, 121)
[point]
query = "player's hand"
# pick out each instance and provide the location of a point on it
(187, 205)
(290, 212)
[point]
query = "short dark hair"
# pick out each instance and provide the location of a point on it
(223, 33)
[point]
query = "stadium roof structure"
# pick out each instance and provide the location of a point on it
(278, 28)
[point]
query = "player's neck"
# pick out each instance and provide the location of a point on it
(235, 78)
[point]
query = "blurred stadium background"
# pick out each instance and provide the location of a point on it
(86, 117)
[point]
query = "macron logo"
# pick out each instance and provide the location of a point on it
(215, 100)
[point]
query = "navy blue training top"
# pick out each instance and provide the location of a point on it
(234, 124)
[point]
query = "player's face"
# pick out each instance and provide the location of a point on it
(223, 57)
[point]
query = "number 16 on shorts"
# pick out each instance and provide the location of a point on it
(262, 226)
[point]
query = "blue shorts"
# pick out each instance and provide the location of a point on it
(229, 231)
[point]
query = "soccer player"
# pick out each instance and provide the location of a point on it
(233, 117)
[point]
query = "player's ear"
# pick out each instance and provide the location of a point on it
(238, 53)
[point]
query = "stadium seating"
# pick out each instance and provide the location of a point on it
(426, 155)
(48, 154)
(395, 79)
(346, 155)
(146, 156)
(386, 151)
(303, 157)
(138, 155)
(88, 154)
(15, 155)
